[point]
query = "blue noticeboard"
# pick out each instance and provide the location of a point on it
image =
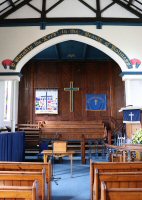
(96, 102)
(132, 116)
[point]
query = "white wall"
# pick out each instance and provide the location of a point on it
(133, 92)
(127, 39)
(1, 103)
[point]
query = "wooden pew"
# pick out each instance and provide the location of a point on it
(109, 167)
(25, 178)
(120, 180)
(120, 193)
(16, 192)
(32, 136)
(43, 123)
(74, 131)
(32, 167)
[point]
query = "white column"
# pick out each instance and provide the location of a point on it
(2, 87)
(14, 104)
(14, 100)
(133, 90)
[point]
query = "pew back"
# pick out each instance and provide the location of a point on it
(120, 193)
(43, 123)
(16, 192)
(22, 178)
(109, 167)
(73, 130)
(32, 167)
(81, 131)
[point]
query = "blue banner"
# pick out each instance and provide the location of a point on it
(96, 102)
(133, 116)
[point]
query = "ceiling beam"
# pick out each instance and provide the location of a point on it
(33, 7)
(43, 15)
(66, 21)
(130, 2)
(98, 14)
(127, 7)
(16, 7)
(55, 5)
(11, 3)
(108, 6)
(57, 48)
(87, 5)
(85, 51)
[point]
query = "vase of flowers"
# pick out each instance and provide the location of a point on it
(137, 140)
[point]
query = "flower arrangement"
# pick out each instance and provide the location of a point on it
(137, 138)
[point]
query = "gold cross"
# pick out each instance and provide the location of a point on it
(71, 89)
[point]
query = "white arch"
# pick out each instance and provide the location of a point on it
(76, 37)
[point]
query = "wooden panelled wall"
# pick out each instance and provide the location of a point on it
(98, 77)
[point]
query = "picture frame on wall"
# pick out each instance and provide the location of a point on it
(46, 101)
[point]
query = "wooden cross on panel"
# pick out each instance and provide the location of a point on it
(71, 89)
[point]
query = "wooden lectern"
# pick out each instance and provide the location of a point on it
(132, 118)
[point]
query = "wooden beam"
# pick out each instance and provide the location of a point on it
(43, 15)
(16, 7)
(130, 2)
(84, 51)
(98, 15)
(87, 5)
(55, 5)
(127, 7)
(39, 11)
(62, 21)
(58, 51)
(11, 3)
(108, 6)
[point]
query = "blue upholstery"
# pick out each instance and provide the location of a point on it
(12, 147)
(43, 145)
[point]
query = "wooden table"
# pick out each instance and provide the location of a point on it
(126, 148)
(47, 153)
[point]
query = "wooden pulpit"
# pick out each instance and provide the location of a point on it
(132, 118)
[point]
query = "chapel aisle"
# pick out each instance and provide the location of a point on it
(75, 188)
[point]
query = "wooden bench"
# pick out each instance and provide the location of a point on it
(32, 137)
(120, 193)
(119, 180)
(43, 123)
(109, 167)
(74, 131)
(32, 167)
(25, 178)
(16, 192)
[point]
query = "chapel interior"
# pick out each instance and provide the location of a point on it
(70, 87)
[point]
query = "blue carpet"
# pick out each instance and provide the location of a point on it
(76, 187)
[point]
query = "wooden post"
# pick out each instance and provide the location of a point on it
(83, 151)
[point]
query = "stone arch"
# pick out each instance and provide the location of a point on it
(72, 34)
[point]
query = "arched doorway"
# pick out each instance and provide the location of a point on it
(75, 34)
(90, 75)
